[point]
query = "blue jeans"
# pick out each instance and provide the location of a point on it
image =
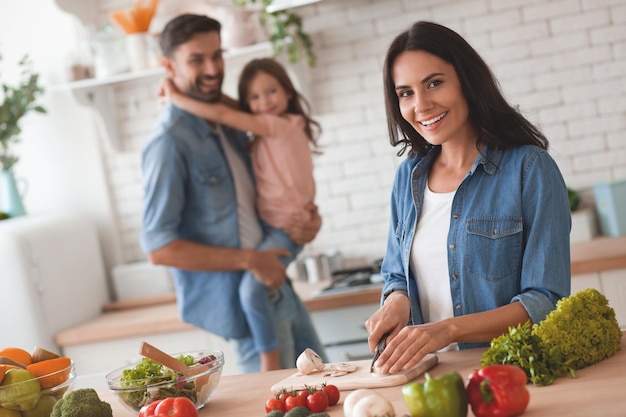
(257, 300)
(295, 333)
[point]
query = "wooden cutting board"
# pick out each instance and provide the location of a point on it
(361, 378)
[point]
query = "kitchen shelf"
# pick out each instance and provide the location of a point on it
(98, 94)
(151, 72)
(278, 5)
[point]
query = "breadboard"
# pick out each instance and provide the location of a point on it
(361, 378)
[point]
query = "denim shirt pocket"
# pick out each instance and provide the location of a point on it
(213, 192)
(494, 247)
(399, 232)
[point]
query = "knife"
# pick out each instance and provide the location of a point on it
(380, 346)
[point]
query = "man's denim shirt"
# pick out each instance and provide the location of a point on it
(190, 194)
(508, 239)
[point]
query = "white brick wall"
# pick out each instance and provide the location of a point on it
(562, 61)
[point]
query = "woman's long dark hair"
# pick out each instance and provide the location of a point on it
(497, 124)
(297, 104)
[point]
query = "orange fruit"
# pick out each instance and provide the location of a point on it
(4, 369)
(17, 354)
(51, 372)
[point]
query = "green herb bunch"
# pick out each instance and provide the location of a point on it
(520, 346)
(286, 32)
(15, 103)
(582, 330)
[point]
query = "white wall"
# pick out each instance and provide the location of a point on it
(562, 61)
(60, 159)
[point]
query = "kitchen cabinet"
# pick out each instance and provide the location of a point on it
(46, 260)
(342, 331)
(601, 264)
(612, 284)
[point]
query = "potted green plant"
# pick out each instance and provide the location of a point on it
(286, 31)
(15, 103)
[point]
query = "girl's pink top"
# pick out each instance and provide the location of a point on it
(283, 166)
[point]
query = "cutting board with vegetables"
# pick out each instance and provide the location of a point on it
(361, 378)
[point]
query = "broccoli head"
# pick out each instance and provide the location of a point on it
(583, 327)
(81, 403)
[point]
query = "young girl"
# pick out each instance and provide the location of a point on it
(277, 115)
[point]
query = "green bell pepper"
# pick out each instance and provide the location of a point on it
(436, 397)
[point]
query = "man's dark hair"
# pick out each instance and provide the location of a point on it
(182, 28)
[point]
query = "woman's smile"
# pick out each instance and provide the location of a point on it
(430, 122)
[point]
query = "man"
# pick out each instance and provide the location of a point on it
(199, 215)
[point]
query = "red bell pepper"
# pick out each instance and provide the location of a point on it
(170, 407)
(498, 391)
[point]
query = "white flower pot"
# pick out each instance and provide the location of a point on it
(584, 225)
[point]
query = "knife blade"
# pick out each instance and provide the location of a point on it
(380, 346)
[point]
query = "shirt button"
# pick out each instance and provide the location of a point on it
(454, 276)
(213, 180)
(455, 216)
(458, 306)
(496, 232)
(452, 246)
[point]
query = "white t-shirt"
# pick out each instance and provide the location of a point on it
(250, 231)
(429, 257)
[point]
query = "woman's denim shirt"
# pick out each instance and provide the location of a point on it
(508, 239)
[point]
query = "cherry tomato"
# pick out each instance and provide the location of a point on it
(304, 393)
(317, 401)
(332, 392)
(148, 409)
(293, 401)
(274, 404)
(176, 407)
(283, 396)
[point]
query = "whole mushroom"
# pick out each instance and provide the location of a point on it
(309, 361)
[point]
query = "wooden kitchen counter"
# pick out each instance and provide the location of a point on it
(600, 254)
(159, 314)
(597, 390)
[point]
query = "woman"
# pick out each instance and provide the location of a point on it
(479, 230)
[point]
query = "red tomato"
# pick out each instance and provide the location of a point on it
(294, 401)
(283, 396)
(176, 407)
(332, 392)
(274, 404)
(317, 401)
(148, 410)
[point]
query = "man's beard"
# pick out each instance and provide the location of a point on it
(211, 97)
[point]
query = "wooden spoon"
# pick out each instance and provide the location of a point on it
(174, 364)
